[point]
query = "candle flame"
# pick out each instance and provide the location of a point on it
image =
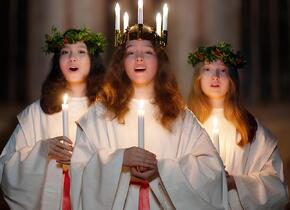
(165, 9)
(215, 125)
(117, 8)
(65, 97)
(140, 3)
(141, 104)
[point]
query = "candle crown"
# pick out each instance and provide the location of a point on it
(141, 31)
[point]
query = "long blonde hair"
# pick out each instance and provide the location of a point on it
(234, 111)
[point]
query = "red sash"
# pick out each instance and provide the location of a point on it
(144, 203)
(66, 191)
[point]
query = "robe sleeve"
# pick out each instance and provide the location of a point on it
(196, 178)
(103, 167)
(22, 171)
(264, 189)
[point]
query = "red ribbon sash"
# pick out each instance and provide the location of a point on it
(66, 191)
(144, 203)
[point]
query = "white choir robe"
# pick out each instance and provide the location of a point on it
(257, 168)
(191, 174)
(29, 180)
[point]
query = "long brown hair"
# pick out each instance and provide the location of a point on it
(55, 84)
(234, 111)
(118, 89)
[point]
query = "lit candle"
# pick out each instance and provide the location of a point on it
(215, 137)
(117, 17)
(65, 115)
(126, 21)
(140, 11)
(141, 124)
(158, 24)
(165, 17)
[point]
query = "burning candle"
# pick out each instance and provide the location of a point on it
(158, 24)
(117, 17)
(126, 21)
(65, 115)
(141, 124)
(140, 11)
(165, 17)
(215, 137)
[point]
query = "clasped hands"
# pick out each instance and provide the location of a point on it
(60, 148)
(142, 163)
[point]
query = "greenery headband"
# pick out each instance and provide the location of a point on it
(55, 41)
(222, 51)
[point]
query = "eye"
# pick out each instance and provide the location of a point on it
(129, 53)
(223, 70)
(206, 69)
(63, 52)
(149, 52)
(82, 51)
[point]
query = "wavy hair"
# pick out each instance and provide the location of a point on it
(55, 84)
(234, 111)
(118, 89)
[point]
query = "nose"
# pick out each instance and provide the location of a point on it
(139, 57)
(216, 73)
(73, 57)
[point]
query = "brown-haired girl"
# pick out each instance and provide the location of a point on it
(33, 165)
(176, 169)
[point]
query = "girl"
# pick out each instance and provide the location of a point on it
(176, 169)
(32, 174)
(249, 151)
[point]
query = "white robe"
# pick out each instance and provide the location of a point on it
(257, 168)
(30, 180)
(190, 172)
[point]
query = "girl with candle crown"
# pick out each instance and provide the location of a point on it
(249, 151)
(31, 172)
(177, 168)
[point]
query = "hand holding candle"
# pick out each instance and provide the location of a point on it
(141, 124)
(215, 137)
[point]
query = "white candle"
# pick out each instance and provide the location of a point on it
(165, 17)
(65, 115)
(117, 16)
(158, 24)
(140, 11)
(141, 124)
(126, 21)
(215, 137)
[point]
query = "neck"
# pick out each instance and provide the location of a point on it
(217, 103)
(77, 90)
(143, 91)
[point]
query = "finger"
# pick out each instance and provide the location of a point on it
(55, 150)
(63, 146)
(66, 140)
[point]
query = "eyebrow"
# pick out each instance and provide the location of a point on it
(146, 45)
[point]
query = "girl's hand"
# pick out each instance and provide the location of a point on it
(60, 148)
(230, 182)
(137, 157)
(147, 175)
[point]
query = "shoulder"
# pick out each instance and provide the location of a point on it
(264, 135)
(95, 112)
(31, 110)
(189, 116)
